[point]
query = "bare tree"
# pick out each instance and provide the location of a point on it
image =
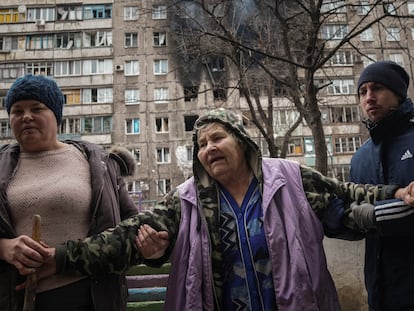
(280, 50)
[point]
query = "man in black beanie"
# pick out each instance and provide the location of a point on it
(387, 158)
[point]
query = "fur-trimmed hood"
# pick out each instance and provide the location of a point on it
(124, 159)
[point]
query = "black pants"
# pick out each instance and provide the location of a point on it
(73, 297)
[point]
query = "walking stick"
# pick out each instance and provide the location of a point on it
(31, 281)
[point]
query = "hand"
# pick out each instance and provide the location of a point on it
(151, 243)
(406, 194)
(24, 253)
(48, 268)
(363, 215)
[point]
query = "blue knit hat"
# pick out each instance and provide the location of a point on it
(40, 88)
(389, 74)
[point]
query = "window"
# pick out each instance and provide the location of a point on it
(310, 146)
(334, 32)
(393, 34)
(219, 93)
(135, 189)
(97, 66)
(159, 12)
(369, 59)
(363, 8)
(341, 87)
(67, 40)
(295, 146)
(131, 40)
(40, 68)
(11, 71)
(163, 186)
(161, 95)
(284, 118)
(8, 16)
(131, 13)
(160, 66)
(216, 64)
(347, 144)
(70, 126)
(333, 6)
(46, 14)
(94, 38)
(346, 114)
(189, 122)
(161, 125)
(96, 124)
(189, 153)
(9, 43)
(410, 7)
(5, 131)
(160, 38)
(163, 155)
(68, 68)
(397, 58)
(390, 8)
(131, 96)
(132, 126)
(72, 97)
(341, 58)
(279, 89)
(97, 11)
(367, 35)
(136, 153)
(97, 95)
(190, 93)
(69, 13)
(132, 68)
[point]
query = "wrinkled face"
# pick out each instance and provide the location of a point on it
(34, 126)
(220, 153)
(376, 100)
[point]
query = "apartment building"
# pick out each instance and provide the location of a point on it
(118, 68)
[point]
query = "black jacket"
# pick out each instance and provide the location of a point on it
(108, 208)
(388, 158)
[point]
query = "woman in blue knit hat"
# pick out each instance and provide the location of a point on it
(387, 157)
(75, 187)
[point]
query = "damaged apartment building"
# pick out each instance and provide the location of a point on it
(131, 80)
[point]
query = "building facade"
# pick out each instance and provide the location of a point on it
(117, 65)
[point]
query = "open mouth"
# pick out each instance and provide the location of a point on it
(215, 160)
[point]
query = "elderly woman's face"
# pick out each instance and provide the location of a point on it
(219, 152)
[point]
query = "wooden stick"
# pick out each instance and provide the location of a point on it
(31, 281)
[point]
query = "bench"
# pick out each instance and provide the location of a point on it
(147, 287)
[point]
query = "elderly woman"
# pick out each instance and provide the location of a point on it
(243, 232)
(76, 188)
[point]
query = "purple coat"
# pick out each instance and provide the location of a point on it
(294, 234)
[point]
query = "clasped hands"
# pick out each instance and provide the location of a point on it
(29, 256)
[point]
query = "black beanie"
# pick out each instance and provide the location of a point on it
(40, 88)
(389, 74)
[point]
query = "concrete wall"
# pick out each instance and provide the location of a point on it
(346, 264)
